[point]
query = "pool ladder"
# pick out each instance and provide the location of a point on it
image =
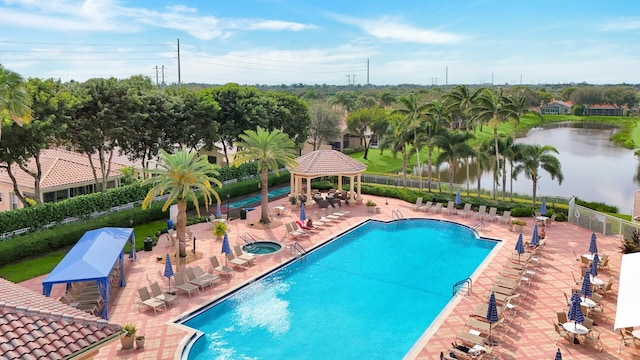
(297, 249)
(476, 226)
(248, 239)
(460, 284)
(396, 214)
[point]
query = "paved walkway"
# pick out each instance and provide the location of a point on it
(530, 335)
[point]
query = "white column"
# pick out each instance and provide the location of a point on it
(359, 185)
(351, 180)
(339, 183)
(308, 189)
(292, 185)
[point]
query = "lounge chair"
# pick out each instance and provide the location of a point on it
(505, 218)
(338, 211)
(418, 204)
(466, 211)
(220, 269)
(482, 211)
(237, 261)
(205, 275)
(426, 206)
(491, 215)
(435, 208)
(294, 233)
(328, 213)
(324, 220)
(243, 255)
(192, 278)
(450, 209)
(147, 300)
(182, 284)
(158, 294)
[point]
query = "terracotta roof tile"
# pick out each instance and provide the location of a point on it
(35, 327)
(330, 162)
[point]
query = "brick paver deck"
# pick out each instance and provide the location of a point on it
(529, 336)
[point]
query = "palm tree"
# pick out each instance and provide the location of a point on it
(414, 115)
(483, 161)
(396, 139)
(14, 99)
(437, 117)
(453, 146)
(532, 157)
(183, 175)
(271, 150)
(493, 109)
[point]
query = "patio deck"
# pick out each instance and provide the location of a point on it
(529, 336)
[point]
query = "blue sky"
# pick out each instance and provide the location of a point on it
(325, 42)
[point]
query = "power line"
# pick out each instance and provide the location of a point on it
(77, 44)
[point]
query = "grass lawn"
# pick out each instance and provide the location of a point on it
(31, 268)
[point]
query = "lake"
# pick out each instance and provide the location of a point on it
(594, 168)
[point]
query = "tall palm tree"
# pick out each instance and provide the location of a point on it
(414, 116)
(453, 146)
(183, 175)
(458, 102)
(396, 139)
(533, 157)
(483, 161)
(493, 109)
(271, 150)
(437, 117)
(14, 99)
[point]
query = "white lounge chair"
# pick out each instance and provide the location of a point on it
(450, 209)
(192, 278)
(435, 208)
(426, 206)
(466, 211)
(220, 269)
(491, 215)
(158, 294)
(243, 255)
(147, 300)
(237, 261)
(418, 204)
(482, 212)
(505, 218)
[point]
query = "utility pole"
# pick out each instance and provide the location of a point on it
(163, 67)
(367, 71)
(348, 79)
(354, 79)
(157, 84)
(179, 62)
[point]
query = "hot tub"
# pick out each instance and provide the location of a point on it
(262, 247)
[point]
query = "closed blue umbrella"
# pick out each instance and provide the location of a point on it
(218, 211)
(594, 265)
(558, 355)
(519, 246)
(303, 215)
(535, 238)
(168, 269)
(543, 207)
(226, 248)
(586, 285)
(458, 201)
(575, 311)
(593, 247)
(492, 311)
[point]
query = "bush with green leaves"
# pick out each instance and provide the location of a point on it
(631, 245)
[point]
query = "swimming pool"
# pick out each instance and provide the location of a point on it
(369, 294)
(256, 198)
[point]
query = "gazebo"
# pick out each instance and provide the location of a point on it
(326, 163)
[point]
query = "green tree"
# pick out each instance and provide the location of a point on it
(414, 114)
(270, 150)
(493, 109)
(14, 100)
(325, 123)
(453, 146)
(291, 116)
(359, 123)
(183, 175)
(533, 157)
(587, 95)
(396, 138)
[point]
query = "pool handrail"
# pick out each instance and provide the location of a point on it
(298, 248)
(396, 214)
(467, 281)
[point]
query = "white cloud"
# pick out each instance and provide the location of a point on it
(386, 28)
(624, 24)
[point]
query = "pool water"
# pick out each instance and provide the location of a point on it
(256, 198)
(370, 294)
(262, 247)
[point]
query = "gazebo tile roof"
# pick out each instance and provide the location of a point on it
(328, 162)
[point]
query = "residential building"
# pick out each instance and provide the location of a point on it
(556, 107)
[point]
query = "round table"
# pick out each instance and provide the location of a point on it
(595, 281)
(575, 329)
(588, 256)
(636, 334)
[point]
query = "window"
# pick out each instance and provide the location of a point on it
(212, 159)
(0, 197)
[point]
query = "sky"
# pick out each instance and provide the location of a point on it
(274, 42)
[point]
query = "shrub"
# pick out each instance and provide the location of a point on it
(631, 245)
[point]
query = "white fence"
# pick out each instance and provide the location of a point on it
(600, 222)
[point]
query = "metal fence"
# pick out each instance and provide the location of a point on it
(600, 222)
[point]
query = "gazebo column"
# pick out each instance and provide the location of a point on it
(292, 185)
(351, 180)
(308, 189)
(339, 183)
(359, 185)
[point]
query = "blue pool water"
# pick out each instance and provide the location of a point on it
(256, 198)
(370, 294)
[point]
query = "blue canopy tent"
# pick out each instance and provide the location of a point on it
(91, 259)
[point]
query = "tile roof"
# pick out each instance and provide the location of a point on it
(328, 162)
(33, 326)
(60, 168)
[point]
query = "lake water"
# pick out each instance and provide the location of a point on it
(594, 168)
